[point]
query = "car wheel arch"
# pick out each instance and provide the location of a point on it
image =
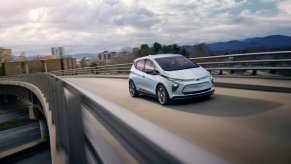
(158, 84)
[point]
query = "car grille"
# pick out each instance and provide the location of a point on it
(197, 88)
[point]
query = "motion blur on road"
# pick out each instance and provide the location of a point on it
(18, 136)
(240, 126)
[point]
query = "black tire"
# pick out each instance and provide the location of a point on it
(132, 89)
(162, 95)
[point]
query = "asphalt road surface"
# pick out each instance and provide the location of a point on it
(240, 126)
(12, 115)
(12, 138)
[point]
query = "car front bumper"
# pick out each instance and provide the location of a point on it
(196, 95)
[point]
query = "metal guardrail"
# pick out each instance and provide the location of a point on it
(266, 61)
(107, 69)
(143, 141)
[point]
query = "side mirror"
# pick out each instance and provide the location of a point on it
(152, 72)
(156, 72)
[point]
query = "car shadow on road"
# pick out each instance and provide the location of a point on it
(224, 106)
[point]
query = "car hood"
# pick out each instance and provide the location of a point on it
(187, 74)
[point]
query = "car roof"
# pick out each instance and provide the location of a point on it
(158, 56)
(163, 55)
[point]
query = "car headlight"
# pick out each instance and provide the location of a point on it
(211, 78)
(175, 86)
(174, 80)
(175, 83)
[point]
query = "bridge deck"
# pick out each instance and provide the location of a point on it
(241, 126)
(275, 85)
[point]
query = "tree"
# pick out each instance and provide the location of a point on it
(167, 49)
(184, 52)
(200, 50)
(93, 64)
(144, 50)
(175, 49)
(157, 48)
(83, 62)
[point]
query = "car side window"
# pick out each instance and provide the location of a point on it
(140, 65)
(149, 66)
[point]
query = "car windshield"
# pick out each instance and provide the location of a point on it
(174, 63)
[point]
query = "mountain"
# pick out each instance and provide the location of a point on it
(81, 55)
(268, 43)
(275, 41)
(229, 46)
(258, 44)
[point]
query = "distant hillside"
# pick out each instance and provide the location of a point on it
(81, 55)
(258, 44)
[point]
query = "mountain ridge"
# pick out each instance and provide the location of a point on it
(256, 44)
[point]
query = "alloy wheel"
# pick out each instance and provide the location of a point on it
(132, 89)
(162, 95)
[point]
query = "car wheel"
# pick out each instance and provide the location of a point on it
(132, 90)
(163, 95)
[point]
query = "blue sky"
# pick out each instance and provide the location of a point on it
(33, 26)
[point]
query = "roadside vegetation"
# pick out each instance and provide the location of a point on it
(10, 103)
(15, 123)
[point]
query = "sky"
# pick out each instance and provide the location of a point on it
(93, 26)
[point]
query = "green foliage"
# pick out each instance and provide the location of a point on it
(93, 64)
(158, 48)
(9, 103)
(176, 49)
(15, 123)
(184, 52)
(83, 62)
(144, 50)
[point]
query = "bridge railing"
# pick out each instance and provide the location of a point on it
(106, 69)
(250, 64)
(90, 129)
(270, 62)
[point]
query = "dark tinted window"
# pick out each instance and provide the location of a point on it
(175, 63)
(149, 66)
(140, 65)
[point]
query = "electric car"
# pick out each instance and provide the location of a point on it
(169, 77)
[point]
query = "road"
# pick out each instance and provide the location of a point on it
(240, 126)
(12, 138)
(12, 115)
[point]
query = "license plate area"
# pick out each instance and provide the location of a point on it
(196, 87)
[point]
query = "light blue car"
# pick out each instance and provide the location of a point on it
(169, 77)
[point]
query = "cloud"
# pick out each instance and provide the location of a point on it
(97, 25)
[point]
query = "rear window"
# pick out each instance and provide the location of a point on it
(174, 63)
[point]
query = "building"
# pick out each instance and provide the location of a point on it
(58, 52)
(5, 55)
(48, 57)
(21, 57)
(22, 67)
(106, 56)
